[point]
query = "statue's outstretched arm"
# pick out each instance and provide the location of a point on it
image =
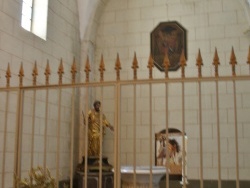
(83, 116)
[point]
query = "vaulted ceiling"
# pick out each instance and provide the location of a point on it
(90, 11)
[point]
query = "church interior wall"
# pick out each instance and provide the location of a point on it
(20, 47)
(124, 28)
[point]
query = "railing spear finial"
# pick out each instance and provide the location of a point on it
(199, 64)
(135, 66)
(73, 71)
(118, 67)
(34, 73)
(183, 63)
(166, 64)
(47, 73)
(150, 66)
(248, 58)
(21, 75)
(216, 63)
(87, 69)
(102, 69)
(233, 61)
(60, 72)
(8, 76)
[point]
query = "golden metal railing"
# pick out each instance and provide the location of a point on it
(118, 83)
(118, 67)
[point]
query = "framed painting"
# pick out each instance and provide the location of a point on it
(168, 38)
(174, 145)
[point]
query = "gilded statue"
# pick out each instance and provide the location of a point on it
(94, 129)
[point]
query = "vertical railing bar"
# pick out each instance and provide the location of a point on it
(115, 139)
(33, 129)
(201, 135)
(101, 138)
(150, 132)
(118, 136)
(5, 136)
(86, 128)
(58, 135)
(218, 134)
(71, 162)
(19, 122)
(236, 136)
(167, 135)
(183, 137)
(46, 128)
(134, 137)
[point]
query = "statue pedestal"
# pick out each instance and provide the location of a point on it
(93, 165)
(93, 180)
(93, 170)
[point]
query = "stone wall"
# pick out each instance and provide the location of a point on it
(124, 28)
(20, 46)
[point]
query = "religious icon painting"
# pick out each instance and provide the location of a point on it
(168, 38)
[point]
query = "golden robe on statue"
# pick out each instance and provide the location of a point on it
(94, 131)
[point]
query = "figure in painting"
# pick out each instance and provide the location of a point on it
(168, 41)
(94, 129)
(161, 157)
(175, 155)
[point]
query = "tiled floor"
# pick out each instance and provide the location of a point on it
(206, 184)
(172, 184)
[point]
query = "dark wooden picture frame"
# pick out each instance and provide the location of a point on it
(171, 38)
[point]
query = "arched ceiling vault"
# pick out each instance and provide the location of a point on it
(90, 11)
(246, 6)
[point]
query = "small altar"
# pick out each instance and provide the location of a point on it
(142, 176)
